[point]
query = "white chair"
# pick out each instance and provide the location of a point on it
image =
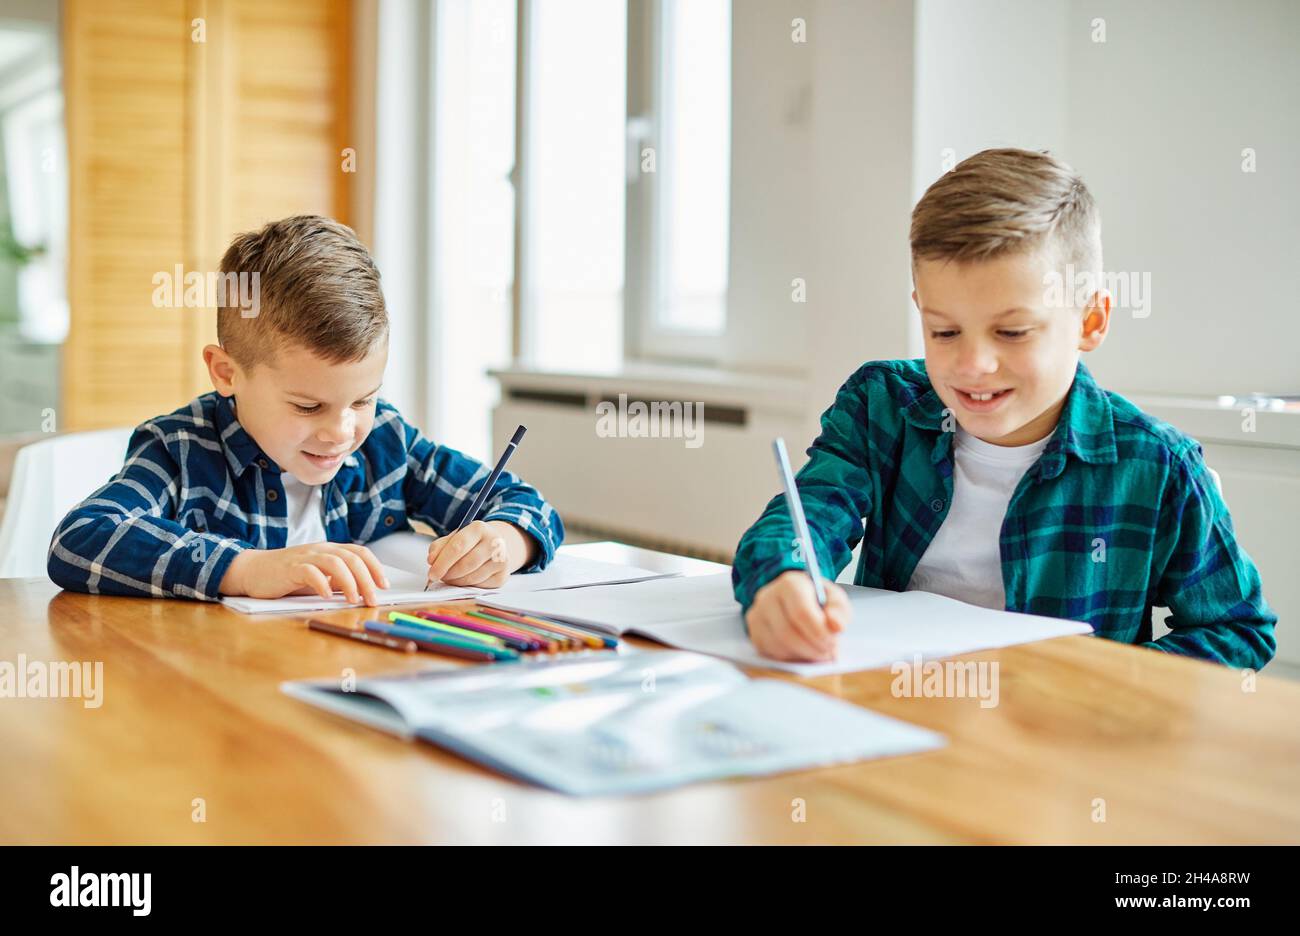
(50, 477)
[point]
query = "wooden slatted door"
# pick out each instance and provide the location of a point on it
(188, 121)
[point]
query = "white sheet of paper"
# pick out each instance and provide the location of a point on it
(404, 557)
(700, 613)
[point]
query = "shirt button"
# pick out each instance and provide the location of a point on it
(272, 495)
(936, 505)
(262, 463)
(388, 521)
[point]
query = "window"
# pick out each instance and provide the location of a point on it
(691, 208)
(474, 212)
(572, 184)
(34, 184)
(537, 177)
(625, 181)
(679, 171)
(534, 234)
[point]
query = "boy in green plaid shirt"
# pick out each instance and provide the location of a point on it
(996, 470)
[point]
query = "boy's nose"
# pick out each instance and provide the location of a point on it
(338, 432)
(976, 360)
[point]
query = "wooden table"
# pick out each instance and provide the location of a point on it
(193, 723)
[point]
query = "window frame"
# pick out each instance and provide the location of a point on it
(644, 338)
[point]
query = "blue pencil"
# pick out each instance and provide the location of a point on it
(800, 521)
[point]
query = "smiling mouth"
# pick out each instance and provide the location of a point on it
(982, 401)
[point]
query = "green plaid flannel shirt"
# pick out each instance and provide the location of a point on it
(1118, 515)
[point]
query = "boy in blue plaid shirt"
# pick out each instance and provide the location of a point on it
(996, 471)
(271, 484)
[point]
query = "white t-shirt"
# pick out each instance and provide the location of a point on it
(303, 506)
(964, 560)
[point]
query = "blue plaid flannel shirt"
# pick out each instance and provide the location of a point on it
(196, 490)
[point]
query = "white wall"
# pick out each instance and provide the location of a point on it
(835, 138)
(771, 167)
(1158, 116)
(989, 73)
(821, 188)
(1154, 118)
(862, 169)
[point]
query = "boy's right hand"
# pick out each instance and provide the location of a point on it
(314, 568)
(785, 622)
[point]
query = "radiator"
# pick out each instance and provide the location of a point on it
(658, 492)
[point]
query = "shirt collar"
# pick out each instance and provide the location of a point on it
(1086, 428)
(241, 451)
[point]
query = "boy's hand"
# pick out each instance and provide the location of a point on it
(785, 622)
(315, 568)
(482, 554)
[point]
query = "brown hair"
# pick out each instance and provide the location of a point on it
(316, 287)
(1007, 201)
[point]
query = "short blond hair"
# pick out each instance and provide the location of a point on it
(1008, 201)
(319, 289)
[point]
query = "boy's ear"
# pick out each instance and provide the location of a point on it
(221, 368)
(1096, 321)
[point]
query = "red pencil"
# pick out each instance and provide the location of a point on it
(378, 640)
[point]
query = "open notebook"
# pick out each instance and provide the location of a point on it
(404, 557)
(700, 613)
(613, 723)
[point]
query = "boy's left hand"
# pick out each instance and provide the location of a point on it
(482, 555)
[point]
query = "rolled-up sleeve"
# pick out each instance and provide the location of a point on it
(835, 490)
(1206, 580)
(441, 483)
